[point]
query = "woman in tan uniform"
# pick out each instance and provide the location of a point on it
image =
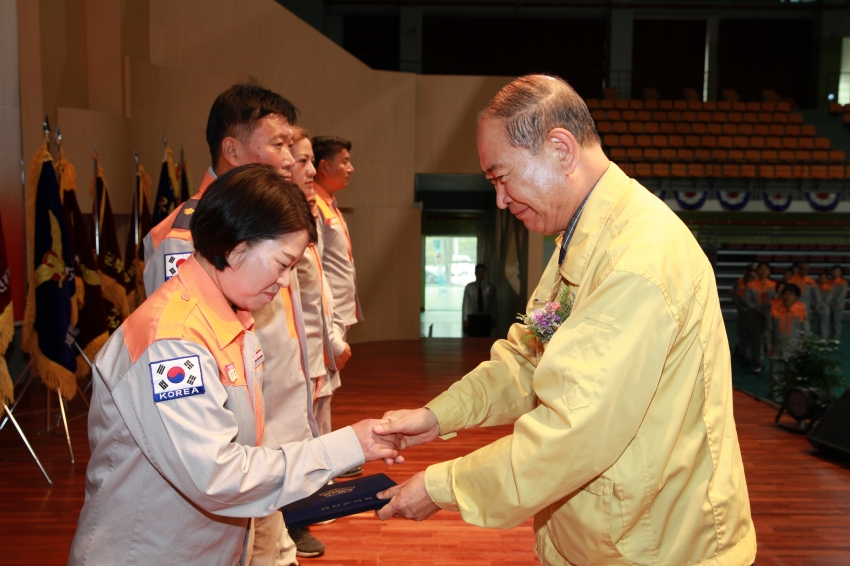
(176, 419)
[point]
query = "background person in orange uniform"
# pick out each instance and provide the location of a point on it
(332, 157)
(759, 293)
(787, 323)
(176, 423)
(807, 285)
(246, 124)
(326, 348)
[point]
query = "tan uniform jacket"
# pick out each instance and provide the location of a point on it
(175, 421)
(624, 444)
(338, 261)
(322, 323)
(287, 391)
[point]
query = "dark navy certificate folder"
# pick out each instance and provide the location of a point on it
(340, 499)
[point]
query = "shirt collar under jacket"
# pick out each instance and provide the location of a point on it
(226, 324)
(571, 226)
(600, 203)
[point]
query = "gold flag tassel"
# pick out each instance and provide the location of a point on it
(53, 375)
(7, 329)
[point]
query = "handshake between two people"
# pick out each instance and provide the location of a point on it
(385, 439)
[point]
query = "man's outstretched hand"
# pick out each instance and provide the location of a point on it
(415, 427)
(384, 447)
(410, 500)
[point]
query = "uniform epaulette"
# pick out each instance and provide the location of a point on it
(172, 322)
(159, 317)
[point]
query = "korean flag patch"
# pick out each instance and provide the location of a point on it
(173, 263)
(176, 378)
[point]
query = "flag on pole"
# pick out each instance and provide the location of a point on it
(109, 262)
(185, 178)
(166, 192)
(92, 329)
(7, 323)
(50, 315)
(134, 254)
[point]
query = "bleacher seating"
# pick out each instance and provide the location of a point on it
(680, 138)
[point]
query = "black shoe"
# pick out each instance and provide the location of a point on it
(353, 472)
(306, 545)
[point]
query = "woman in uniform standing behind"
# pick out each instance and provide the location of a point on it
(176, 418)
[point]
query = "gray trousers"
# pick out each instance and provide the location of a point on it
(322, 413)
(835, 318)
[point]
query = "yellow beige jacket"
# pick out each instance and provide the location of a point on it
(624, 445)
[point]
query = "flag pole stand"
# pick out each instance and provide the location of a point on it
(91, 365)
(10, 417)
(21, 395)
(65, 422)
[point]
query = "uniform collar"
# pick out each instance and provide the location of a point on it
(597, 210)
(208, 179)
(323, 194)
(226, 324)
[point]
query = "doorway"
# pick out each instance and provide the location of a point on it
(449, 265)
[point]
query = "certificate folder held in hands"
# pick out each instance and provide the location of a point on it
(339, 499)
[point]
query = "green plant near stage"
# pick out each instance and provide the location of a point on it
(813, 365)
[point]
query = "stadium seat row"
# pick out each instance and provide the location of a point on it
(702, 116)
(715, 129)
(694, 105)
(710, 142)
(618, 154)
(792, 130)
(736, 171)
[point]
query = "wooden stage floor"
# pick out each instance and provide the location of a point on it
(800, 500)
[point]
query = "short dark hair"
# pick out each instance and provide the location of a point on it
(250, 204)
(326, 147)
(764, 263)
(237, 110)
(533, 105)
(791, 287)
(838, 267)
(480, 266)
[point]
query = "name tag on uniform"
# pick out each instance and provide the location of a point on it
(231, 372)
(173, 263)
(332, 220)
(176, 378)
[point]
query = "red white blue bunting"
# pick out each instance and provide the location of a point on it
(823, 202)
(690, 200)
(777, 202)
(733, 200)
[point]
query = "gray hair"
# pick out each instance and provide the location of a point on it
(533, 105)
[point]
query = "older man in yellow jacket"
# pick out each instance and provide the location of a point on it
(624, 446)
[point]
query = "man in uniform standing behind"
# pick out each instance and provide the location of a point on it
(333, 170)
(479, 305)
